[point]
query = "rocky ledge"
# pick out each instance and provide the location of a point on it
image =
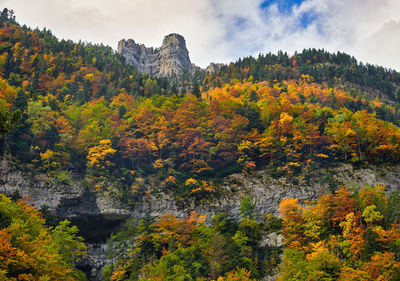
(82, 204)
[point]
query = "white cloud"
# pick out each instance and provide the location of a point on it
(224, 30)
(382, 46)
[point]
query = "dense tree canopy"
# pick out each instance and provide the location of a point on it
(187, 249)
(337, 69)
(29, 250)
(343, 236)
(77, 107)
(68, 106)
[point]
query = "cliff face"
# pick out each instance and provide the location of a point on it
(174, 56)
(75, 202)
(171, 58)
(98, 214)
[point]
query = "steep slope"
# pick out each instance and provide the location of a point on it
(88, 115)
(98, 141)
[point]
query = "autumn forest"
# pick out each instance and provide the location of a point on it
(77, 112)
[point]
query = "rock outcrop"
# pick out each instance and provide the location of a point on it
(213, 67)
(172, 58)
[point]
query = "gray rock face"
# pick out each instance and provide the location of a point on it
(96, 259)
(171, 58)
(174, 56)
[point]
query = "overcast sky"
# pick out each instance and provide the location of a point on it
(224, 30)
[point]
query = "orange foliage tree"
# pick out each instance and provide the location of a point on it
(343, 236)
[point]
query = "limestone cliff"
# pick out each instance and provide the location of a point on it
(171, 58)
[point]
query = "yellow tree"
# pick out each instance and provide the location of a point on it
(99, 156)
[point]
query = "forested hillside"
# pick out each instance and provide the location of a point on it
(78, 113)
(336, 69)
(84, 110)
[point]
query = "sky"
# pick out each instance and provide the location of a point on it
(225, 30)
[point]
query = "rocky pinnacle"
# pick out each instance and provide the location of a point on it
(171, 58)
